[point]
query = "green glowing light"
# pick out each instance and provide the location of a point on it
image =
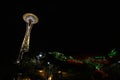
(112, 53)
(59, 56)
(99, 57)
(98, 66)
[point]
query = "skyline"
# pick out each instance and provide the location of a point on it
(68, 29)
(63, 30)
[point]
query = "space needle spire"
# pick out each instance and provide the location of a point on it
(30, 19)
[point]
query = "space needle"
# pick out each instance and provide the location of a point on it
(30, 19)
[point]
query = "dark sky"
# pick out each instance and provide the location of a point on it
(70, 27)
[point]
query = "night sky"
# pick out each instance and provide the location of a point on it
(72, 28)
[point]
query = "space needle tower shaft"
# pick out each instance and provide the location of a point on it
(30, 19)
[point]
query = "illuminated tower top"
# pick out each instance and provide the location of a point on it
(30, 17)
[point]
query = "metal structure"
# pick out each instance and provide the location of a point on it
(30, 19)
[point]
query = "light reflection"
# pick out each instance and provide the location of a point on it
(41, 71)
(59, 71)
(50, 77)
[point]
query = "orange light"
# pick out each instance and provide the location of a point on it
(41, 71)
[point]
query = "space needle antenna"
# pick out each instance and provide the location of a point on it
(30, 19)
